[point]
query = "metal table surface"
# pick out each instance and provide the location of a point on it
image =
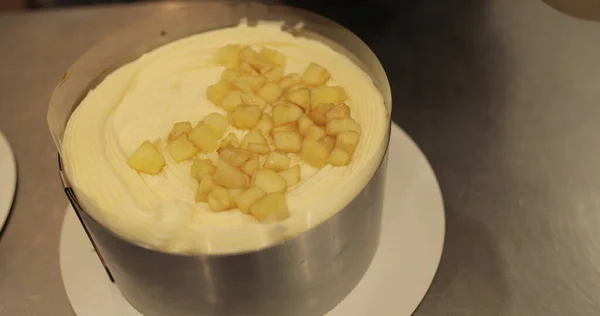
(503, 97)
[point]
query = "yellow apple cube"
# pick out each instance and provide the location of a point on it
(217, 123)
(272, 56)
(272, 74)
(269, 181)
(338, 157)
(258, 148)
(327, 95)
(340, 111)
(277, 161)
(328, 142)
(229, 56)
(180, 128)
(230, 75)
(244, 200)
(181, 148)
(202, 168)
(314, 153)
(217, 92)
(232, 100)
(271, 206)
(347, 141)
(337, 126)
(230, 177)
(246, 116)
(205, 186)
(251, 166)
(265, 124)
(317, 114)
(291, 175)
(289, 80)
(288, 142)
(146, 159)
(315, 132)
(304, 123)
(229, 140)
(300, 97)
(203, 137)
(314, 75)
(270, 92)
(254, 136)
(236, 157)
(219, 200)
(250, 98)
(285, 112)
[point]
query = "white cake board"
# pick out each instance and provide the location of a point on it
(8, 179)
(404, 266)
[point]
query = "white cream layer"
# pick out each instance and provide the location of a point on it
(143, 99)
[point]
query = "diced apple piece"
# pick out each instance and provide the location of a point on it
(219, 200)
(338, 157)
(291, 175)
(327, 95)
(230, 177)
(289, 80)
(246, 69)
(229, 75)
(314, 153)
(202, 168)
(229, 56)
(272, 56)
(234, 192)
(254, 83)
(288, 142)
(271, 206)
(217, 92)
(347, 141)
(217, 123)
(285, 112)
(229, 140)
(265, 124)
(254, 136)
(179, 129)
(250, 56)
(277, 161)
(269, 181)
(258, 148)
(337, 126)
(232, 100)
(146, 159)
(270, 92)
(250, 98)
(244, 200)
(318, 114)
(241, 84)
(246, 116)
(328, 142)
(340, 111)
(289, 127)
(296, 86)
(205, 186)
(203, 137)
(247, 53)
(181, 148)
(315, 132)
(304, 123)
(314, 75)
(236, 157)
(300, 97)
(272, 74)
(251, 166)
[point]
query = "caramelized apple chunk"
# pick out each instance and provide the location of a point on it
(181, 148)
(314, 75)
(147, 159)
(271, 206)
(180, 128)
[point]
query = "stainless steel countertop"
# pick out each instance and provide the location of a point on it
(503, 96)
